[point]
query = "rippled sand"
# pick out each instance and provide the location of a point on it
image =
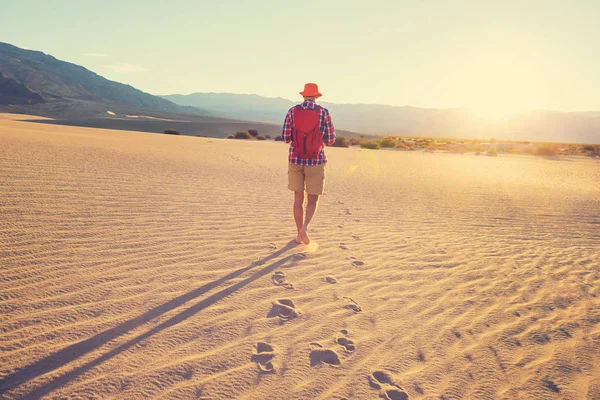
(137, 265)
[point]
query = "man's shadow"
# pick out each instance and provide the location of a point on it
(74, 351)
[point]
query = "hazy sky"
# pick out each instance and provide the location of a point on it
(499, 55)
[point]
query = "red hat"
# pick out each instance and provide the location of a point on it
(311, 90)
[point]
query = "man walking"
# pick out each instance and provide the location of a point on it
(308, 128)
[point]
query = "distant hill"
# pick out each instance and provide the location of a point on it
(29, 77)
(541, 126)
(12, 92)
(238, 106)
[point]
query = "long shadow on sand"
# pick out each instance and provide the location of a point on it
(71, 353)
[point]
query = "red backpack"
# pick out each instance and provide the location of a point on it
(306, 136)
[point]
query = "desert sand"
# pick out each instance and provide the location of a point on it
(137, 265)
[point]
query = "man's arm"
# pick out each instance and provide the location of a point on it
(329, 134)
(286, 133)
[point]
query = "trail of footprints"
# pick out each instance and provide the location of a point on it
(286, 310)
(323, 355)
(389, 389)
(355, 262)
(278, 279)
(263, 356)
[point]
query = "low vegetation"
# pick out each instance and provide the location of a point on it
(388, 142)
(370, 144)
(490, 147)
(355, 141)
(242, 135)
(546, 150)
(341, 141)
(249, 134)
(171, 132)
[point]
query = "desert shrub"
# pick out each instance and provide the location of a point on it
(341, 141)
(355, 141)
(387, 142)
(370, 144)
(491, 153)
(592, 148)
(230, 136)
(267, 136)
(528, 150)
(171, 132)
(474, 147)
(546, 150)
(278, 138)
(243, 135)
(261, 137)
(253, 132)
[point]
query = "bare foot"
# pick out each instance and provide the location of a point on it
(304, 236)
(299, 238)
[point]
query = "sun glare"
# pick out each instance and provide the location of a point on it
(500, 84)
(493, 99)
(493, 112)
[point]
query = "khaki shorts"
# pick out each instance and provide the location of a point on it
(312, 175)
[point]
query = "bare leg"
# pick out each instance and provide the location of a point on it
(298, 213)
(311, 208)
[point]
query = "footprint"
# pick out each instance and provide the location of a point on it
(389, 388)
(329, 279)
(358, 263)
(263, 356)
(343, 246)
(284, 309)
(340, 226)
(395, 394)
(325, 356)
(344, 341)
(300, 256)
(353, 305)
(272, 246)
(278, 279)
(355, 237)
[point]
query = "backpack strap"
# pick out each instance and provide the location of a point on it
(317, 107)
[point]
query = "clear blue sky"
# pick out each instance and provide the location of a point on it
(540, 54)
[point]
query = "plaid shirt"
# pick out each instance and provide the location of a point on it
(326, 130)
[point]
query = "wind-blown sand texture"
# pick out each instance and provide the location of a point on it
(137, 266)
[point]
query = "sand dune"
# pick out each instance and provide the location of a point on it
(137, 266)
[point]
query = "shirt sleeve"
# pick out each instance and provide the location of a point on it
(329, 134)
(286, 133)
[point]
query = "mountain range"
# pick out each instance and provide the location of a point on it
(32, 82)
(32, 77)
(378, 119)
(35, 83)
